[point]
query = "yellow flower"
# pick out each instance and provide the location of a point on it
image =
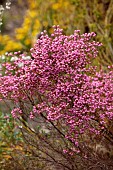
(27, 42)
(11, 46)
(32, 14)
(56, 6)
(32, 4)
(27, 21)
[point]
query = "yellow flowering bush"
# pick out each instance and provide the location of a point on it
(42, 15)
(29, 29)
(8, 44)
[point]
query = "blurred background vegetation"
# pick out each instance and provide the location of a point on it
(21, 27)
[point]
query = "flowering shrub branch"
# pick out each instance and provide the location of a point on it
(59, 87)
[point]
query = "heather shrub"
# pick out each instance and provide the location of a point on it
(62, 103)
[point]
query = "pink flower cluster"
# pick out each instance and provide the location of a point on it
(16, 112)
(67, 88)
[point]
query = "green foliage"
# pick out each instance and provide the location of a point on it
(8, 136)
